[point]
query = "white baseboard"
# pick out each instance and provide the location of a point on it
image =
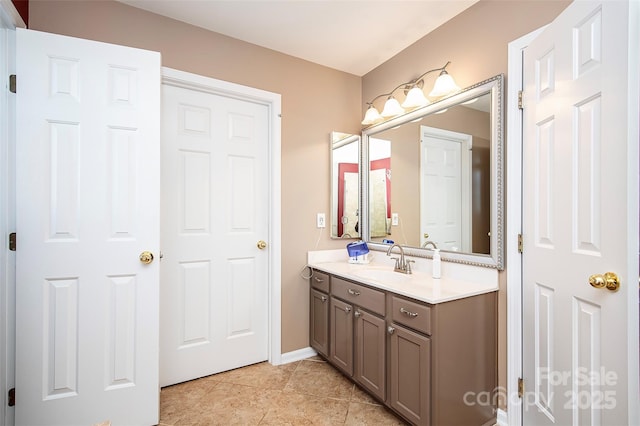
(298, 355)
(502, 420)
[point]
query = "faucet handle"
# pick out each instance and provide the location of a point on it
(397, 259)
(409, 262)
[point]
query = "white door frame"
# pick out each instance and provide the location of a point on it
(273, 102)
(9, 21)
(514, 227)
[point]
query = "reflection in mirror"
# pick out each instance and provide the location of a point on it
(447, 186)
(379, 187)
(345, 185)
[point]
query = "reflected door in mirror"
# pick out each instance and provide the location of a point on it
(348, 200)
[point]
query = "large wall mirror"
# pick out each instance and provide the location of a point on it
(345, 185)
(436, 175)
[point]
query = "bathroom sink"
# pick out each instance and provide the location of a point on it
(383, 275)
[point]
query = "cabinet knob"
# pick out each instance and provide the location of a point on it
(390, 330)
(357, 314)
(323, 298)
(347, 309)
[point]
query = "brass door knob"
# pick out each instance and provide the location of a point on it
(262, 245)
(146, 257)
(609, 281)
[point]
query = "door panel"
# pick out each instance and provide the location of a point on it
(341, 326)
(370, 353)
(580, 219)
(410, 364)
(87, 206)
(215, 209)
(319, 327)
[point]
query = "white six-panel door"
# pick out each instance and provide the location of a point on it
(87, 205)
(580, 219)
(445, 163)
(215, 187)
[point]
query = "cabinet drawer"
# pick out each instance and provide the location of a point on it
(365, 297)
(320, 281)
(411, 314)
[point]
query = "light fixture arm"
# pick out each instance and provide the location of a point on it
(409, 84)
(417, 80)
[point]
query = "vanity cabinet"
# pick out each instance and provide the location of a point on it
(410, 359)
(357, 334)
(409, 374)
(319, 313)
(427, 362)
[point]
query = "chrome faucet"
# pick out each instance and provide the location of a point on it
(402, 265)
(429, 243)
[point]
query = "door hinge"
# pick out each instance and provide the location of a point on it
(520, 105)
(12, 83)
(12, 397)
(520, 244)
(12, 241)
(520, 387)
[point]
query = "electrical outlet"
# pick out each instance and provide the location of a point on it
(394, 219)
(320, 220)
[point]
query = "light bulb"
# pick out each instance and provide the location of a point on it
(392, 108)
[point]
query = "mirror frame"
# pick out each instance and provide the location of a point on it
(337, 142)
(494, 86)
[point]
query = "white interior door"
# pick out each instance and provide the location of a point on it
(444, 171)
(580, 208)
(215, 180)
(87, 206)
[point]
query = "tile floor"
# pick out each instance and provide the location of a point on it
(308, 392)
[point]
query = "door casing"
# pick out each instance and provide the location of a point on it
(9, 21)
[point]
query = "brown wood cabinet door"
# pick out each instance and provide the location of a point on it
(410, 374)
(319, 322)
(370, 352)
(341, 326)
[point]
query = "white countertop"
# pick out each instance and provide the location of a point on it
(457, 282)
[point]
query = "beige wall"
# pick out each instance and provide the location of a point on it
(476, 44)
(315, 101)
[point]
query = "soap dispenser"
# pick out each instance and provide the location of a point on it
(435, 268)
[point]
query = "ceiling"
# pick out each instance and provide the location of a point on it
(353, 36)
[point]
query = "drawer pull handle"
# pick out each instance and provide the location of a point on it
(353, 292)
(409, 313)
(318, 280)
(323, 298)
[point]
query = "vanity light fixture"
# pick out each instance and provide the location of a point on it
(415, 98)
